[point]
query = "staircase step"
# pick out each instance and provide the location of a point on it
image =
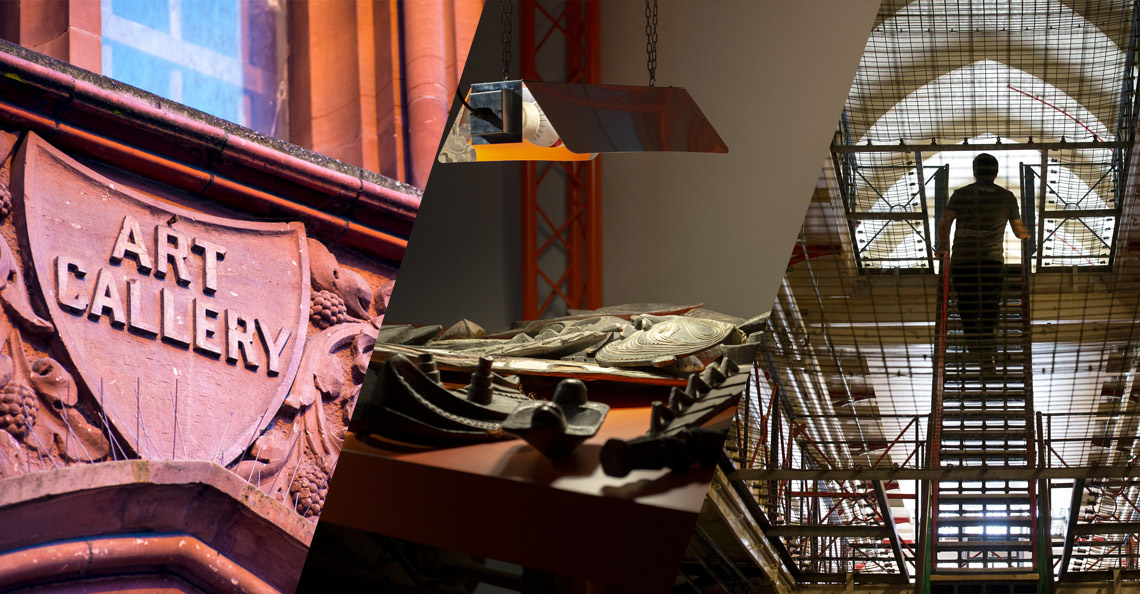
(975, 414)
(983, 545)
(984, 420)
(988, 574)
(986, 521)
(979, 498)
(983, 439)
(951, 451)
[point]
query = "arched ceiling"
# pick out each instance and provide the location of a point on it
(991, 107)
(949, 70)
(1105, 15)
(928, 59)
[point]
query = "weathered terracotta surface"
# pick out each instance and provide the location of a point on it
(122, 584)
(229, 165)
(372, 80)
(190, 519)
(74, 349)
(67, 31)
(162, 309)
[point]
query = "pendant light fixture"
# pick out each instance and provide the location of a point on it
(522, 120)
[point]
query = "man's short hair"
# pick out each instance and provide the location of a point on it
(985, 165)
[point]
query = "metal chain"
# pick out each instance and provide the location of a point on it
(506, 6)
(651, 40)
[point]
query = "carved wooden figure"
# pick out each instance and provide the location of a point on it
(407, 405)
(677, 439)
(556, 428)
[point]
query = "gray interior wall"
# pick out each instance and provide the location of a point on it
(771, 76)
(463, 256)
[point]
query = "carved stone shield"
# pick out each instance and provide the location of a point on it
(186, 328)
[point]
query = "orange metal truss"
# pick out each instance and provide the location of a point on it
(575, 280)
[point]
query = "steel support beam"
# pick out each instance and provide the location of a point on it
(889, 521)
(564, 269)
(957, 473)
(1100, 576)
(840, 578)
(827, 530)
(1106, 528)
(1076, 214)
(740, 512)
(925, 209)
(988, 147)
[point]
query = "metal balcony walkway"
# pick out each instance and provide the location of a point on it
(983, 534)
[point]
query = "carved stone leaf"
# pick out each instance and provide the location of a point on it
(329, 378)
(273, 446)
(53, 383)
(15, 297)
(319, 356)
(6, 263)
(10, 456)
(346, 412)
(76, 439)
(362, 347)
(384, 296)
(274, 452)
(6, 370)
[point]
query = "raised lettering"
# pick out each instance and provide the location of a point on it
(130, 242)
(106, 298)
(206, 329)
(274, 347)
(172, 246)
(173, 330)
(211, 253)
(239, 336)
(135, 320)
(74, 301)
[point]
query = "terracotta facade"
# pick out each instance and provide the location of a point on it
(188, 311)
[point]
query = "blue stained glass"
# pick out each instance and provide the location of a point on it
(212, 24)
(152, 13)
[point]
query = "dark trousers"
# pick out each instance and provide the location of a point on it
(978, 287)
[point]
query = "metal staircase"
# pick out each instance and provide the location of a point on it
(982, 535)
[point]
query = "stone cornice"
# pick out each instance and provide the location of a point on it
(99, 118)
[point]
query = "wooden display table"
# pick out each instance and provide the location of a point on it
(505, 501)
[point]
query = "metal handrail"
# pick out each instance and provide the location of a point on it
(929, 497)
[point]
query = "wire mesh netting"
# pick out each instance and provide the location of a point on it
(852, 364)
(1079, 209)
(948, 72)
(846, 381)
(954, 69)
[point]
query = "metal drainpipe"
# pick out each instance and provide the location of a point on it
(428, 88)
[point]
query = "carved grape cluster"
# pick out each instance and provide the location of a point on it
(18, 407)
(327, 309)
(309, 489)
(5, 201)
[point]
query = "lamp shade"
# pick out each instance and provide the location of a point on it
(542, 121)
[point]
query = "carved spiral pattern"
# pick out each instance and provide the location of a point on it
(327, 309)
(309, 489)
(676, 336)
(18, 408)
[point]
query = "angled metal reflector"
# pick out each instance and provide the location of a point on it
(541, 121)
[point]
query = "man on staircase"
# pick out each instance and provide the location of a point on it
(977, 260)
